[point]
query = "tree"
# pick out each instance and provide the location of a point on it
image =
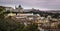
(9, 24)
(31, 27)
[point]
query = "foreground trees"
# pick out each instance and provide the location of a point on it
(8, 24)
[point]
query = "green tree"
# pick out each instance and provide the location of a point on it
(9, 24)
(31, 27)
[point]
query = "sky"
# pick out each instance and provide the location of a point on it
(40, 4)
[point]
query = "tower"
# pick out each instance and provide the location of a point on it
(20, 9)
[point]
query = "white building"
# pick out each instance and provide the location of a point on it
(18, 9)
(9, 8)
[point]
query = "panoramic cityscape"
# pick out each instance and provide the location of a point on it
(29, 15)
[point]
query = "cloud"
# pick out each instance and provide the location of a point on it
(49, 4)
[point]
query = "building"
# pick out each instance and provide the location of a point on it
(18, 9)
(9, 8)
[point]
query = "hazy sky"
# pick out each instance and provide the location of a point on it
(42, 4)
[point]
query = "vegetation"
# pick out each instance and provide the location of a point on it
(8, 24)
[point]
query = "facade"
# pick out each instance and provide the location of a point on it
(9, 8)
(18, 9)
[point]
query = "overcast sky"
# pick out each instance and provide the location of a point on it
(41, 4)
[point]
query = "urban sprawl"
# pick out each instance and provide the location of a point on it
(46, 20)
